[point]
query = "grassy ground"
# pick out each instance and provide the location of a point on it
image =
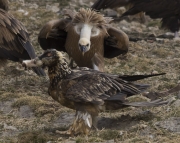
(29, 115)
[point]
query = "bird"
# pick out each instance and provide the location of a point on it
(169, 12)
(104, 4)
(86, 36)
(88, 91)
(15, 44)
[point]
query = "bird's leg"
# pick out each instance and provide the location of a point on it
(176, 35)
(81, 125)
(68, 132)
(94, 122)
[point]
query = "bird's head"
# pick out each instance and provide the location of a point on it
(88, 24)
(49, 58)
(84, 45)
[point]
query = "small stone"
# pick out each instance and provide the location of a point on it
(53, 8)
(6, 127)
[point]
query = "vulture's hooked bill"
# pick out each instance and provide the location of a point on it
(88, 91)
(104, 4)
(86, 36)
(169, 11)
(14, 39)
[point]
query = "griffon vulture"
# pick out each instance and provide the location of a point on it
(88, 91)
(103, 4)
(86, 36)
(14, 39)
(169, 11)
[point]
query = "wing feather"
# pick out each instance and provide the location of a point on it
(95, 88)
(14, 40)
(53, 35)
(167, 10)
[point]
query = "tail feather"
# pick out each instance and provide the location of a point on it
(142, 87)
(144, 104)
(138, 77)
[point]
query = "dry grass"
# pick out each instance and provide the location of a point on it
(19, 88)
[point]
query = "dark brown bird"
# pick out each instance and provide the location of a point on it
(86, 36)
(14, 40)
(169, 11)
(104, 4)
(88, 91)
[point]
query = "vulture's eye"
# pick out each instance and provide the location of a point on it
(78, 29)
(95, 31)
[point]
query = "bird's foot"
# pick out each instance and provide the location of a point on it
(67, 133)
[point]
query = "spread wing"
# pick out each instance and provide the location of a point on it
(53, 35)
(95, 88)
(14, 40)
(116, 43)
(103, 4)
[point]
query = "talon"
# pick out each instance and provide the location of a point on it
(63, 132)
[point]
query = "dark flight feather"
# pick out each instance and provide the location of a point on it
(167, 10)
(103, 4)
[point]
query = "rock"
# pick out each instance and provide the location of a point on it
(33, 6)
(125, 29)
(153, 28)
(110, 13)
(23, 11)
(5, 107)
(171, 124)
(64, 119)
(25, 112)
(53, 8)
(6, 127)
(176, 103)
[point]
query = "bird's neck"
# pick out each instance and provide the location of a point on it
(4, 5)
(58, 72)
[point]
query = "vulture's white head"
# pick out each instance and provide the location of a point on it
(89, 23)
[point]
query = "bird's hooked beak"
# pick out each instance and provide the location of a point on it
(32, 63)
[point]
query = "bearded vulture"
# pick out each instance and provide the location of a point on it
(88, 91)
(103, 4)
(169, 11)
(14, 39)
(86, 36)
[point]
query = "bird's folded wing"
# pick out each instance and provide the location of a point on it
(95, 88)
(12, 32)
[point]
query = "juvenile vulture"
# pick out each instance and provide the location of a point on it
(86, 36)
(14, 39)
(103, 4)
(88, 91)
(169, 11)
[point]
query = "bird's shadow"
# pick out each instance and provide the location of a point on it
(125, 121)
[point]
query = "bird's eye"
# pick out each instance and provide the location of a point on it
(49, 54)
(78, 29)
(87, 45)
